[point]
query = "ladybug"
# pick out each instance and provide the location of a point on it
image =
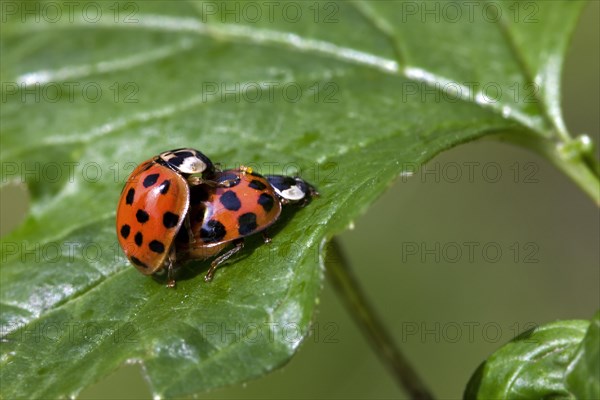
(223, 216)
(154, 204)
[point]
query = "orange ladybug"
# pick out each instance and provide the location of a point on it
(222, 216)
(154, 204)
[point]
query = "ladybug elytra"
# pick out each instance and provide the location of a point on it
(154, 204)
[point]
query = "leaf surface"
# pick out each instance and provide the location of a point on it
(348, 94)
(532, 365)
(583, 374)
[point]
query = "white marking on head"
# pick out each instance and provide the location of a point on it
(192, 165)
(293, 193)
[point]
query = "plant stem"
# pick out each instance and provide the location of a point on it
(581, 170)
(342, 278)
(578, 164)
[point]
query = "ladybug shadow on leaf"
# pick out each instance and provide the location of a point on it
(263, 241)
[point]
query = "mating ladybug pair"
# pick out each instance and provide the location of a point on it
(177, 207)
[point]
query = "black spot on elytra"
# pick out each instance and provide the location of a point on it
(142, 216)
(139, 239)
(129, 197)
(170, 220)
(150, 180)
(247, 223)
(256, 184)
(156, 246)
(137, 262)
(125, 230)
(164, 187)
(213, 231)
(266, 201)
(230, 201)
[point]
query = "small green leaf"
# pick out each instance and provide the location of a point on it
(530, 366)
(583, 374)
(349, 94)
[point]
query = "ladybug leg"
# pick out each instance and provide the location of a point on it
(239, 244)
(266, 237)
(171, 269)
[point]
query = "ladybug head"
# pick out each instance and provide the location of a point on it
(292, 189)
(188, 161)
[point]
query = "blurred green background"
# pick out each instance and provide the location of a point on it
(446, 316)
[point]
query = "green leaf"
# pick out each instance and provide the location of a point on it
(583, 374)
(348, 94)
(530, 366)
